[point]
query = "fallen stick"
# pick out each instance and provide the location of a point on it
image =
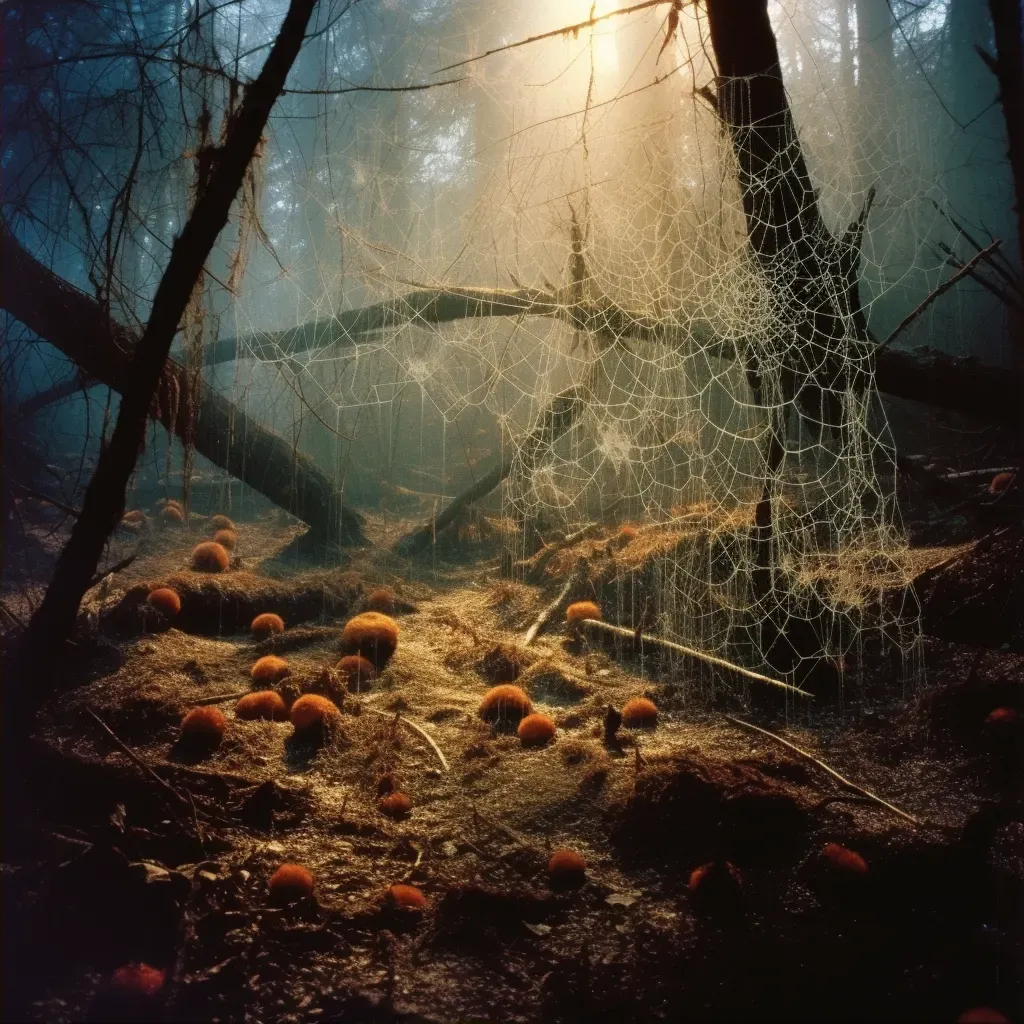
(968, 473)
(115, 568)
(220, 698)
(138, 762)
(419, 730)
(16, 619)
(842, 780)
(690, 652)
(545, 616)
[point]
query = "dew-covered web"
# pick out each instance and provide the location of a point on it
(587, 178)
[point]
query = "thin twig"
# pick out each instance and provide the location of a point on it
(842, 780)
(116, 567)
(220, 698)
(412, 870)
(944, 287)
(419, 730)
(498, 827)
(565, 30)
(138, 762)
(545, 616)
(46, 499)
(14, 617)
(1000, 265)
(691, 652)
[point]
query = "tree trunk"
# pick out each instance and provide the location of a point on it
(814, 275)
(1008, 67)
(223, 433)
(103, 505)
(1009, 71)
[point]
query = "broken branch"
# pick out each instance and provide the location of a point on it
(941, 289)
(841, 779)
(553, 608)
(690, 652)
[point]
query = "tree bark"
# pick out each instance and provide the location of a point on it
(103, 506)
(77, 326)
(814, 275)
(1008, 67)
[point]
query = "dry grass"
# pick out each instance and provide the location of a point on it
(480, 834)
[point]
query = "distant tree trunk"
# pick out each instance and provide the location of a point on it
(104, 500)
(846, 76)
(77, 325)
(875, 80)
(1008, 67)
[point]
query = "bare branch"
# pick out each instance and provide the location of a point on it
(964, 271)
(566, 30)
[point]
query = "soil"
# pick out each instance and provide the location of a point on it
(123, 846)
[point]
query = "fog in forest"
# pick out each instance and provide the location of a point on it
(512, 512)
(360, 195)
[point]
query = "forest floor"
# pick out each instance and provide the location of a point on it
(124, 848)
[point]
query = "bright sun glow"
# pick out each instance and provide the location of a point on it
(606, 53)
(602, 35)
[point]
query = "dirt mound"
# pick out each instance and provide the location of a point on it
(227, 603)
(978, 597)
(704, 807)
(503, 663)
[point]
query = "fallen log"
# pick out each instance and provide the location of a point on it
(440, 305)
(231, 439)
(921, 375)
(556, 420)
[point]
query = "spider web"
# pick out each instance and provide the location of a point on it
(604, 177)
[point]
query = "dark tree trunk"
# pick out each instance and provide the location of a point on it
(1008, 68)
(103, 505)
(222, 433)
(813, 275)
(1009, 71)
